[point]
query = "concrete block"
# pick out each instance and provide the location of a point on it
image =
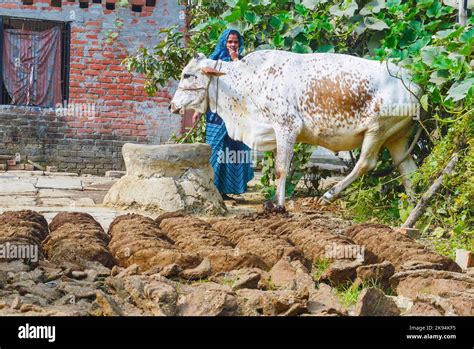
(464, 258)
(51, 169)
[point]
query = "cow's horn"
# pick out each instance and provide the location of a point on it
(211, 71)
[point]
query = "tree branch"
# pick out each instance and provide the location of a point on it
(423, 203)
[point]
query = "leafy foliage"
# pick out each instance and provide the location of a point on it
(196, 135)
(113, 34)
(301, 156)
(165, 63)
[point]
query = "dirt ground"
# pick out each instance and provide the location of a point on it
(310, 261)
(51, 193)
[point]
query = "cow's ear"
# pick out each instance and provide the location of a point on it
(211, 71)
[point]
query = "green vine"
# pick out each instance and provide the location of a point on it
(112, 34)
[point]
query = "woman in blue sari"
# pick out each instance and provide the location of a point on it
(230, 177)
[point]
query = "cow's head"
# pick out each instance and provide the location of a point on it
(193, 87)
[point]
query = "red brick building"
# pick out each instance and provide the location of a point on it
(70, 52)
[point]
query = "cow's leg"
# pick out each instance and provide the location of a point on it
(367, 161)
(283, 156)
(398, 149)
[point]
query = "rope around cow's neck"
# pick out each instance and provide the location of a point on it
(217, 85)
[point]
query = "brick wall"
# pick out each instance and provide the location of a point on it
(77, 140)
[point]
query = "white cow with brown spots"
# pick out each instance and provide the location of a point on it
(271, 99)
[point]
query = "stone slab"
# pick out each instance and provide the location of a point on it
(67, 183)
(11, 201)
(12, 186)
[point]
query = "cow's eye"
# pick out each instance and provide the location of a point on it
(187, 76)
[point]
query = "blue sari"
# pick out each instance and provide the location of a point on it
(230, 177)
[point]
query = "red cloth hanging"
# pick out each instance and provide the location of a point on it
(32, 66)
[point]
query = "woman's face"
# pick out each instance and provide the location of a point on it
(233, 43)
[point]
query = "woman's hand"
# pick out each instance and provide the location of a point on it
(196, 117)
(234, 55)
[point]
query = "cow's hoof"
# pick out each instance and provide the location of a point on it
(268, 206)
(279, 209)
(327, 198)
(322, 201)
